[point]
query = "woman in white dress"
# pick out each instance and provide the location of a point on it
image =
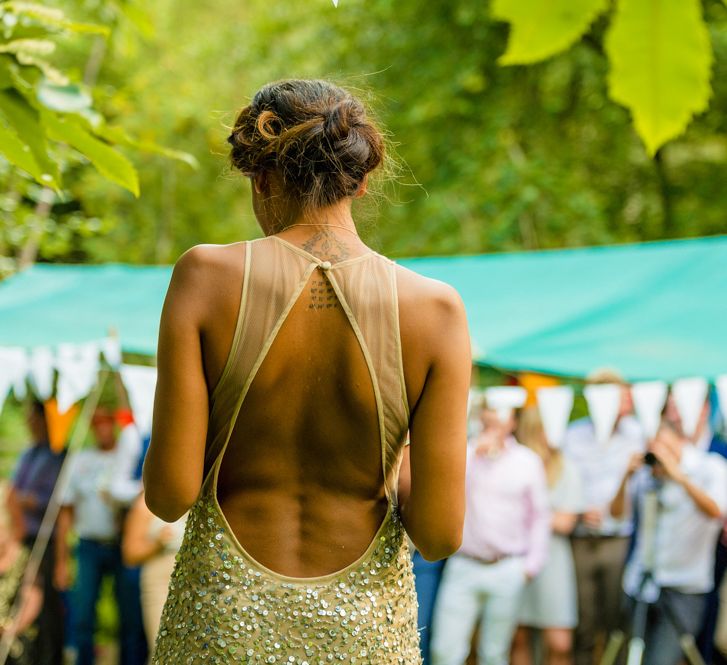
(550, 602)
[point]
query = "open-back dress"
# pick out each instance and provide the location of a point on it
(226, 607)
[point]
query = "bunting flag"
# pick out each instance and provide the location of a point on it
(649, 399)
(721, 385)
(59, 424)
(13, 370)
(555, 404)
(504, 399)
(335, 3)
(78, 367)
(5, 385)
(40, 371)
(603, 401)
(140, 384)
(689, 397)
(111, 350)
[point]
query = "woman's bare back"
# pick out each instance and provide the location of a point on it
(301, 481)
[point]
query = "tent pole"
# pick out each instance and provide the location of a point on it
(80, 430)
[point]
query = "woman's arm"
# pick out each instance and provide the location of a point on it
(136, 546)
(434, 512)
(174, 465)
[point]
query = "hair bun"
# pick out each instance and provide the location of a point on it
(339, 120)
(315, 134)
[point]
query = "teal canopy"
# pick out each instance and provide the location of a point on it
(654, 310)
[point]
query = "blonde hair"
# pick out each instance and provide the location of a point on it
(530, 433)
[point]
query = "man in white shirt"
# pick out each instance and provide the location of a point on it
(600, 542)
(94, 510)
(677, 546)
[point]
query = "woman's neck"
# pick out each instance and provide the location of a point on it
(337, 215)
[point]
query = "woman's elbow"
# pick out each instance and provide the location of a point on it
(168, 505)
(440, 546)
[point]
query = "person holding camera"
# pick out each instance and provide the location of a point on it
(671, 566)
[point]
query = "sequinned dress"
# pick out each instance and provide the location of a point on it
(223, 605)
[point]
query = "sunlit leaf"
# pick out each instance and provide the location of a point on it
(25, 122)
(661, 58)
(53, 16)
(109, 162)
(540, 29)
(16, 151)
(64, 98)
(29, 46)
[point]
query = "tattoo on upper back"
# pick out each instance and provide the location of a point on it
(325, 245)
(322, 294)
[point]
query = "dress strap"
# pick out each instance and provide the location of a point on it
(238, 324)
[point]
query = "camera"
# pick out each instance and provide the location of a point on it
(650, 459)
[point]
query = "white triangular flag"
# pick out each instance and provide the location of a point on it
(5, 385)
(140, 383)
(111, 349)
(689, 398)
(555, 404)
(604, 400)
(78, 367)
(649, 398)
(335, 3)
(41, 372)
(721, 385)
(503, 399)
(14, 368)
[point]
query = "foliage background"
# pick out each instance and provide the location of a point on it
(489, 158)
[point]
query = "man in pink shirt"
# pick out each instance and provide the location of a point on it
(504, 545)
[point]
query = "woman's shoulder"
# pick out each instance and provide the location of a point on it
(209, 255)
(418, 290)
(205, 265)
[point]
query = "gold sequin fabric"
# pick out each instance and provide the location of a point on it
(223, 607)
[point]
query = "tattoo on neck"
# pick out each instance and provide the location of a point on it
(325, 245)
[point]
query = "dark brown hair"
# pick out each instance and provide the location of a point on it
(315, 135)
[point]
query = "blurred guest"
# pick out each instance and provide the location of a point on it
(90, 509)
(22, 623)
(719, 656)
(705, 438)
(600, 542)
(550, 600)
(30, 491)
(152, 544)
(504, 545)
(691, 500)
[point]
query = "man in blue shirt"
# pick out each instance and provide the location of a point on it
(32, 485)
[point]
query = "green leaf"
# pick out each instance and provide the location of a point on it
(661, 59)
(26, 123)
(541, 29)
(109, 162)
(17, 152)
(6, 78)
(118, 135)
